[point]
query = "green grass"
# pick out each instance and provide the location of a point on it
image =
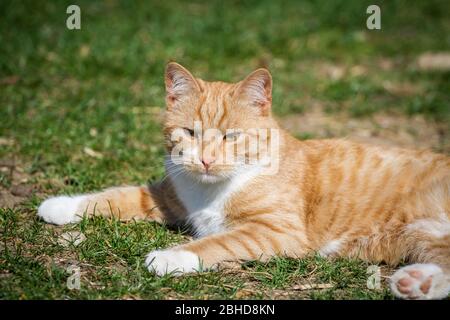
(101, 88)
(34, 266)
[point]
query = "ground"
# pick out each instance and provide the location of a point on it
(81, 110)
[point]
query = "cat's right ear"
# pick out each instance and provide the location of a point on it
(180, 83)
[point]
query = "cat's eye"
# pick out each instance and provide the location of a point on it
(232, 136)
(189, 131)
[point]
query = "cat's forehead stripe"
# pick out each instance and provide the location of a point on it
(212, 107)
(223, 114)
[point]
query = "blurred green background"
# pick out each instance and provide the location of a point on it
(81, 109)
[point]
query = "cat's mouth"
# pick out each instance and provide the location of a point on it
(200, 173)
(208, 176)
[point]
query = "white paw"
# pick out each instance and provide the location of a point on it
(175, 262)
(61, 210)
(420, 281)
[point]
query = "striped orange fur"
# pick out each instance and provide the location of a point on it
(335, 197)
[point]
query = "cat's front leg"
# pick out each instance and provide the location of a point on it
(125, 203)
(255, 240)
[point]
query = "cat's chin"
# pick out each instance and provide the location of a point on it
(209, 178)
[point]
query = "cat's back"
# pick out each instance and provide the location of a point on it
(353, 189)
(341, 156)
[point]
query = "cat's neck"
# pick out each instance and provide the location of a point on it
(205, 202)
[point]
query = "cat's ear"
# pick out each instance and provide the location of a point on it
(179, 82)
(256, 89)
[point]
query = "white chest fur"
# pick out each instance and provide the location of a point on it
(205, 202)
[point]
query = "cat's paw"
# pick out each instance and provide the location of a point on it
(61, 210)
(175, 262)
(420, 281)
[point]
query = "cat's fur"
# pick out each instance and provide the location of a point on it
(334, 197)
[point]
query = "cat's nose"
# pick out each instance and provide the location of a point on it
(207, 161)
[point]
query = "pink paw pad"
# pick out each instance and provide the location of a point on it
(420, 281)
(405, 285)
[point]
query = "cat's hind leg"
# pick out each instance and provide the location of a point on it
(125, 203)
(429, 248)
(420, 281)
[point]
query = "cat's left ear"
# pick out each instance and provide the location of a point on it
(256, 89)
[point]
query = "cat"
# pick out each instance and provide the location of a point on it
(334, 196)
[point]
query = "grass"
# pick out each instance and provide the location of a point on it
(80, 111)
(35, 266)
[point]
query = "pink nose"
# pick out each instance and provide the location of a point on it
(207, 161)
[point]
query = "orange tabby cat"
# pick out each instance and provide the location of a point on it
(335, 197)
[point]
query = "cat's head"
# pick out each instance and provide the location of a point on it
(215, 130)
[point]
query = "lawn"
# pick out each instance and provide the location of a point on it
(80, 110)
